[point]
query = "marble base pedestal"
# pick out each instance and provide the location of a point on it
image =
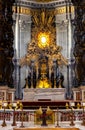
(79, 93)
(7, 93)
(51, 94)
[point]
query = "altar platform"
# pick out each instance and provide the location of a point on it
(46, 128)
(31, 126)
(45, 102)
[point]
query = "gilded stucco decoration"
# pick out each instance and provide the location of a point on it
(43, 31)
(43, 27)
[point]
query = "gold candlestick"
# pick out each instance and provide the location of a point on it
(14, 121)
(4, 106)
(72, 120)
(22, 116)
(67, 106)
(57, 125)
(72, 104)
(83, 120)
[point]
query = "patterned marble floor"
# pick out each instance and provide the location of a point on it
(31, 124)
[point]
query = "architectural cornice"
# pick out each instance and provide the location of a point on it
(25, 6)
(27, 11)
(33, 4)
(43, 0)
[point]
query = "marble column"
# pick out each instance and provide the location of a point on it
(2, 44)
(6, 43)
(69, 46)
(18, 24)
(79, 37)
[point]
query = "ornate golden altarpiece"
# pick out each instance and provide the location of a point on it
(43, 54)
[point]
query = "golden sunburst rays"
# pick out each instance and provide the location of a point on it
(43, 31)
(43, 17)
(43, 39)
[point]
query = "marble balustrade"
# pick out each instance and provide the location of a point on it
(29, 115)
